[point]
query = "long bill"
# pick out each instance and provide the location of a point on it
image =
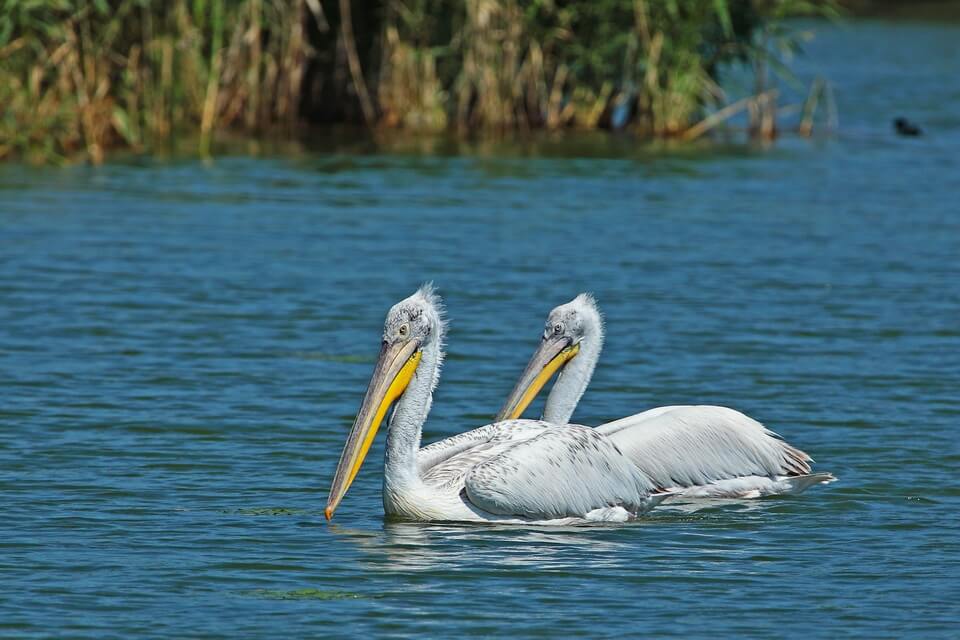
(395, 368)
(549, 358)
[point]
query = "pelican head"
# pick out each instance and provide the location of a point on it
(568, 327)
(412, 326)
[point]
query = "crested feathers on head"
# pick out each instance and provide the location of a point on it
(421, 315)
(427, 293)
(588, 304)
(429, 297)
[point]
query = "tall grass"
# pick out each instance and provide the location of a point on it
(78, 77)
(654, 65)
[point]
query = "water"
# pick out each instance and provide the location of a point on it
(183, 347)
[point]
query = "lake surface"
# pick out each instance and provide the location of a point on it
(183, 347)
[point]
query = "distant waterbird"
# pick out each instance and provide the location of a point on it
(904, 127)
(513, 471)
(692, 451)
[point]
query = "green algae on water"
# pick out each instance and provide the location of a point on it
(270, 511)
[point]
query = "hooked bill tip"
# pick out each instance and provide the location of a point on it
(328, 512)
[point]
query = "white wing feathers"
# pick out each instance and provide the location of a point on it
(445, 463)
(688, 446)
(433, 454)
(565, 471)
(537, 471)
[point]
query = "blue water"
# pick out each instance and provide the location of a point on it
(183, 347)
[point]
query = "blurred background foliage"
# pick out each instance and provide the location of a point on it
(79, 77)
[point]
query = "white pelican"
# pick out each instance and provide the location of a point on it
(516, 471)
(692, 451)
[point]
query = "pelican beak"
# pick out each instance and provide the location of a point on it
(395, 368)
(546, 361)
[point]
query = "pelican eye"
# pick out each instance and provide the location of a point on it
(557, 328)
(404, 329)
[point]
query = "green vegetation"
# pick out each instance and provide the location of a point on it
(78, 77)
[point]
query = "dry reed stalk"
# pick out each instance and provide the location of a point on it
(651, 82)
(294, 62)
(723, 115)
(810, 108)
(213, 80)
(254, 37)
(12, 47)
(353, 62)
(767, 104)
(599, 106)
(554, 119)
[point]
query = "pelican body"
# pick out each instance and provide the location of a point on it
(691, 451)
(513, 471)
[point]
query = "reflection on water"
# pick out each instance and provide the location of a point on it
(406, 546)
(411, 547)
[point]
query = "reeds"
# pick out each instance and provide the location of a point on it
(78, 77)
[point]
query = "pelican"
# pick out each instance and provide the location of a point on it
(691, 451)
(515, 471)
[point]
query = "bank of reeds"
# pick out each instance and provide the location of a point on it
(78, 77)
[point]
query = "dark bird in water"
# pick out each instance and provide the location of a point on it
(906, 128)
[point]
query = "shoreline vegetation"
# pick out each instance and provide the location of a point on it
(79, 78)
